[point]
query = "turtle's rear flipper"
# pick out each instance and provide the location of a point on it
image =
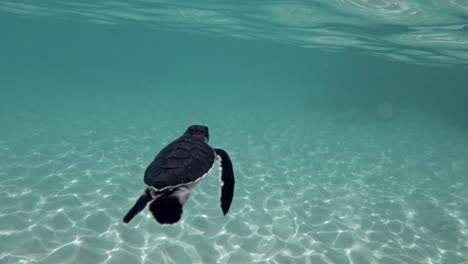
(139, 206)
(167, 209)
(227, 180)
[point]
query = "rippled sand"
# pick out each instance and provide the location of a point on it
(312, 188)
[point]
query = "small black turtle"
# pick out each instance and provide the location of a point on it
(176, 170)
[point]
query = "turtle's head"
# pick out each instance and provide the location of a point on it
(198, 131)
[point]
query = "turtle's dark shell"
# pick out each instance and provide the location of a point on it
(183, 161)
(175, 170)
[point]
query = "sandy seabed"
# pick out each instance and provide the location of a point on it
(315, 188)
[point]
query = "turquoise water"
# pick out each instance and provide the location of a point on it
(345, 122)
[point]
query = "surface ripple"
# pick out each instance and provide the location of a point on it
(368, 25)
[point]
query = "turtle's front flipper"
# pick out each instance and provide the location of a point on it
(139, 206)
(227, 180)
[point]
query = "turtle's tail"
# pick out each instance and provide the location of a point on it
(167, 209)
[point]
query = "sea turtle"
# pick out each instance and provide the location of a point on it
(176, 170)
